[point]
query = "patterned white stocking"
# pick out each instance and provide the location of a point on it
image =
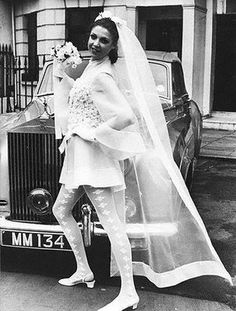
(62, 210)
(104, 203)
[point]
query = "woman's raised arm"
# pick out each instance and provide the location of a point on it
(111, 103)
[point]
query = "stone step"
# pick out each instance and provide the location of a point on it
(218, 143)
(221, 121)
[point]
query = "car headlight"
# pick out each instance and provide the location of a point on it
(40, 201)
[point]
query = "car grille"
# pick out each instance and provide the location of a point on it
(34, 162)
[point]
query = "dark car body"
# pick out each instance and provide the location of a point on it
(30, 162)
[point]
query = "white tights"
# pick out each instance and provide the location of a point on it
(104, 203)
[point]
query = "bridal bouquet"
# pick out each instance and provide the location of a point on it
(66, 52)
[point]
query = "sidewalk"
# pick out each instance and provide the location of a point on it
(218, 143)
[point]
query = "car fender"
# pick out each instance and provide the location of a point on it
(196, 124)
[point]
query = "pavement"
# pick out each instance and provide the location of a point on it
(218, 143)
(27, 292)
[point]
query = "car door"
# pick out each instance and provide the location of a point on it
(180, 126)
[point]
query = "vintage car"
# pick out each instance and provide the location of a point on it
(30, 162)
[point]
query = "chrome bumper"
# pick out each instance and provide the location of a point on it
(95, 228)
(136, 232)
(88, 228)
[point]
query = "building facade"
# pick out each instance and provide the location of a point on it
(200, 32)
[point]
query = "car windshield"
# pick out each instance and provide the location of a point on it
(159, 73)
(46, 85)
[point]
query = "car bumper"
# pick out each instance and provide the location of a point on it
(29, 229)
(136, 232)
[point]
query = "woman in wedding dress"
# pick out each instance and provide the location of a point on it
(111, 119)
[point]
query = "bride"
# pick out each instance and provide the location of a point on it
(112, 122)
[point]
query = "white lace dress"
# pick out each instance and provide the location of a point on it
(175, 245)
(97, 163)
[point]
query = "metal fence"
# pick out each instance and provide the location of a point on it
(7, 79)
(17, 79)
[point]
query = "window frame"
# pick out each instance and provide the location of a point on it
(32, 67)
(177, 72)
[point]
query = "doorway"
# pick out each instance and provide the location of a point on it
(164, 35)
(225, 64)
(78, 22)
(160, 28)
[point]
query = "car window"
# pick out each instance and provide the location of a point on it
(46, 85)
(47, 81)
(178, 80)
(159, 72)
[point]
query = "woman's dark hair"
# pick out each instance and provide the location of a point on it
(111, 27)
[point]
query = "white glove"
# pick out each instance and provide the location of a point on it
(85, 133)
(59, 68)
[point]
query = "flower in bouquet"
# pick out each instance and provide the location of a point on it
(66, 52)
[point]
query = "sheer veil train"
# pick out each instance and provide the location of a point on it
(177, 245)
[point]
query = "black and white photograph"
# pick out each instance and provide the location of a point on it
(117, 155)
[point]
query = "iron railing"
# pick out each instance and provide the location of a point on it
(17, 79)
(7, 79)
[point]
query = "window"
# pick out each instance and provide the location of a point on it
(46, 85)
(164, 35)
(230, 6)
(160, 28)
(178, 80)
(47, 81)
(159, 73)
(32, 67)
(78, 22)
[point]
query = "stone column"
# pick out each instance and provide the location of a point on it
(132, 19)
(51, 29)
(128, 13)
(209, 59)
(117, 10)
(193, 50)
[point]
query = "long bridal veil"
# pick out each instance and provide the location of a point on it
(177, 246)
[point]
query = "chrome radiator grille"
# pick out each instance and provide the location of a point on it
(34, 162)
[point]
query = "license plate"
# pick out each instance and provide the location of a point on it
(35, 240)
